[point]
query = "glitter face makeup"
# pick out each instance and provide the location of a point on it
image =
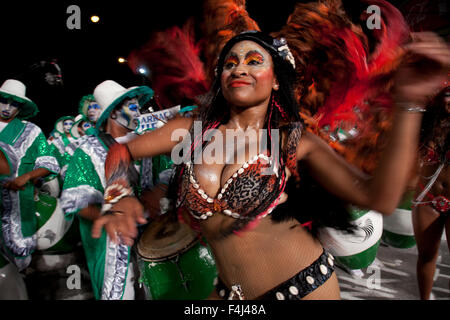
(247, 78)
(254, 58)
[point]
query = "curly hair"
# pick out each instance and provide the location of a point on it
(433, 133)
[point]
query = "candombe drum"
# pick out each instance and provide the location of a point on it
(398, 229)
(355, 250)
(174, 263)
(55, 234)
(50, 185)
(58, 251)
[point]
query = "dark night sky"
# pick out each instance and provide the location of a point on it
(36, 31)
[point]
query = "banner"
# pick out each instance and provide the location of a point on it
(154, 120)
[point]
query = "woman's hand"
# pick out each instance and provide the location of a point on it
(121, 223)
(151, 200)
(426, 65)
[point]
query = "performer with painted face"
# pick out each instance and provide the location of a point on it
(109, 264)
(58, 145)
(90, 108)
(254, 211)
(25, 157)
(80, 129)
(89, 112)
(52, 136)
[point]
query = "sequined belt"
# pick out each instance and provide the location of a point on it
(440, 203)
(297, 287)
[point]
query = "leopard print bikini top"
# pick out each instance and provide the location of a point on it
(243, 192)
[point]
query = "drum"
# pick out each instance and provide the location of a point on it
(174, 263)
(58, 269)
(398, 229)
(55, 234)
(357, 250)
(51, 186)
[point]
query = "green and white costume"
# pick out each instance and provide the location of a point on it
(108, 263)
(26, 149)
(58, 146)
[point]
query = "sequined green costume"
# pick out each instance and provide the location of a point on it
(84, 184)
(25, 148)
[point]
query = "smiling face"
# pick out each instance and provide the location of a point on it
(93, 112)
(8, 109)
(247, 78)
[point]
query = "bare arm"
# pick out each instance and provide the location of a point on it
(383, 191)
(20, 182)
(160, 141)
(4, 166)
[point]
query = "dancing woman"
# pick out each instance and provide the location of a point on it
(432, 205)
(273, 257)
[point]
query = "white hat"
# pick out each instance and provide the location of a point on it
(109, 94)
(59, 124)
(14, 89)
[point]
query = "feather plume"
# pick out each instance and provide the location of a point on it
(341, 84)
(222, 20)
(177, 73)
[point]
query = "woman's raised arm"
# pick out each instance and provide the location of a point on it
(161, 140)
(414, 84)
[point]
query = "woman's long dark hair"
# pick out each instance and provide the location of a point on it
(282, 112)
(431, 129)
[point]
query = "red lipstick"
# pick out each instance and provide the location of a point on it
(238, 83)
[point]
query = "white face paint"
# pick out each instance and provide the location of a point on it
(128, 113)
(93, 112)
(8, 108)
(67, 125)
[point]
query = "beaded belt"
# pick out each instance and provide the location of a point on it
(297, 287)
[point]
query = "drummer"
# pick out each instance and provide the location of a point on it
(26, 158)
(110, 265)
(59, 144)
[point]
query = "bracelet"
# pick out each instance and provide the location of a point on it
(115, 192)
(407, 107)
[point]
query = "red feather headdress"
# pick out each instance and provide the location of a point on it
(177, 73)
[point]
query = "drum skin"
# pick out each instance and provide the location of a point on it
(55, 233)
(357, 250)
